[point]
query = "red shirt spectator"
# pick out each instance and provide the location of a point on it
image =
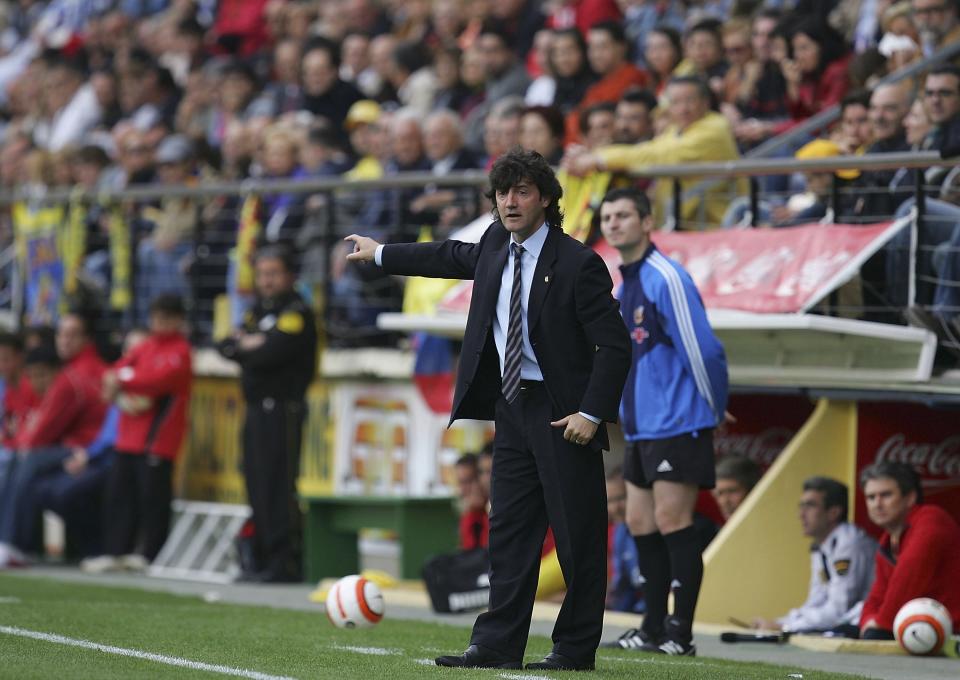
(18, 400)
(71, 412)
(159, 369)
(925, 565)
(816, 93)
(474, 529)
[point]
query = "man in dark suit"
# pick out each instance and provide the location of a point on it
(545, 355)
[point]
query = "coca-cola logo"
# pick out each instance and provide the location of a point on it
(760, 447)
(928, 459)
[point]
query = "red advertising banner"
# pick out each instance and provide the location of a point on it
(765, 425)
(926, 438)
(768, 271)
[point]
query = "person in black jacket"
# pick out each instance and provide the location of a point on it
(276, 348)
(545, 355)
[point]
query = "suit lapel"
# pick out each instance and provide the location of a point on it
(542, 278)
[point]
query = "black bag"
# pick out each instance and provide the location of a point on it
(458, 582)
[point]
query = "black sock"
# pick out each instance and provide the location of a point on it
(654, 561)
(686, 567)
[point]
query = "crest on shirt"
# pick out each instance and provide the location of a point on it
(268, 322)
(841, 567)
(639, 333)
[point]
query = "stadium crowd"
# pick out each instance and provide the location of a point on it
(110, 94)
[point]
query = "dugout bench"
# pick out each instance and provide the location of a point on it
(424, 527)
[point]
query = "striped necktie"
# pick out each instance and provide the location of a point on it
(514, 348)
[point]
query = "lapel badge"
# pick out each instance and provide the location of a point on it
(546, 279)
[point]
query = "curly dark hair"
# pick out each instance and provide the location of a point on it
(517, 165)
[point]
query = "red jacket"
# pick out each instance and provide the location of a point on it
(608, 89)
(928, 565)
(474, 529)
(18, 400)
(821, 92)
(159, 368)
(71, 412)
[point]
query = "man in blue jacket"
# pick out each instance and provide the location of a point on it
(676, 394)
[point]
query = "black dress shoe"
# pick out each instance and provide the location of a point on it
(559, 662)
(477, 657)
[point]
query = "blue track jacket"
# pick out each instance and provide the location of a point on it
(678, 379)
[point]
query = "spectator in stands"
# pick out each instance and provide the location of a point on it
(736, 477)
(541, 130)
(816, 72)
(69, 414)
(607, 55)
(412, 75)
(520, 19)
(173, 226)
(938, 22)
(236, 90)
(505, 76)
(663, 53)
(641, 21)
(323, 92)
(703, 54)
(919, 553)
(744, 70)
(762, 108)
(570, 68)
(501, 129)
(451, 93)
(813, 204)
(624, 583)
(941, 98)
(474, 523)
(71, 105)
(438, 206)
(855, 132)
(633, 117)
(876, 198)
(597, 125)
(151, 386)
(841, 563)
(694, 133)
(282, 93)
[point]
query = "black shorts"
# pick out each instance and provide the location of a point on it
(685, 458)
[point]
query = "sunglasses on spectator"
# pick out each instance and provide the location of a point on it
(940, 94)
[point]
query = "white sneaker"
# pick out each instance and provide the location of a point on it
(10, 557)
(100, 564)
(133, 562)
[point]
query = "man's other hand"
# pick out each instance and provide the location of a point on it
(364, 248)
(578, 429)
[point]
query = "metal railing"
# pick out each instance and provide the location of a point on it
(336, 191)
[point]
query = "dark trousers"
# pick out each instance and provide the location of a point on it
(137, 504)
(540, 478)
(19, 516)
(272, 433)
(78, 500)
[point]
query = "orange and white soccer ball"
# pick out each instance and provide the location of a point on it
(354, 602)
(922, 626)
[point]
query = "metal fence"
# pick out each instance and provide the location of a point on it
(184, 238)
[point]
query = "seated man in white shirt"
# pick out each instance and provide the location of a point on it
(841, 563)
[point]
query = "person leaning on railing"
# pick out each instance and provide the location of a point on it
(694, 133)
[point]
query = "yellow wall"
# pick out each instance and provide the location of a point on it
(210, 467)
(759, 563)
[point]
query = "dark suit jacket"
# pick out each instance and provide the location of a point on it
(575, 327)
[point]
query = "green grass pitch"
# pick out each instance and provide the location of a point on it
(272, 642)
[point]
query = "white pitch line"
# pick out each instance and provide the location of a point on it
(137, 654)
(522, 676)
(9, 600)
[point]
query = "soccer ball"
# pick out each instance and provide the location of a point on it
(922, 626)
(354, 602)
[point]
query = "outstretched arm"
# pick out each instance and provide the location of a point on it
(440, 260)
